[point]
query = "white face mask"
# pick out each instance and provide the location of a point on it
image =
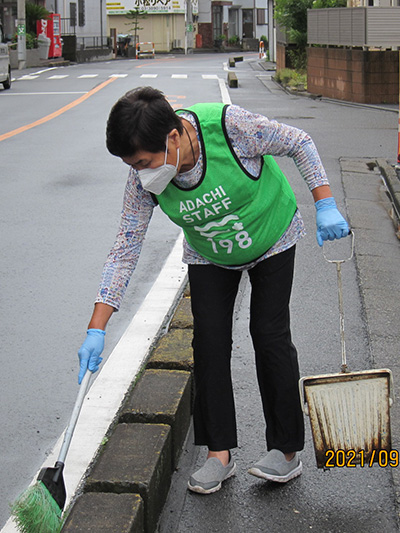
(155, 180)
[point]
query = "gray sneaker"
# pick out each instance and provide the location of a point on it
(274, 467)
(211, 475)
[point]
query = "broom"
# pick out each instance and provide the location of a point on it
(39, 508)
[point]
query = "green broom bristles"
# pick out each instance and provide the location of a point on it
(36, 511)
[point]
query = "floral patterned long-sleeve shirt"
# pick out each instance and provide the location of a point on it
(252, 136)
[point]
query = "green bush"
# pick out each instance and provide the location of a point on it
(31, 41)
(234, 40)
(291, 78)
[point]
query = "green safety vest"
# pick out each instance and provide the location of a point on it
(230, 217)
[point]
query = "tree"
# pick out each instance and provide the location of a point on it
(292, 15)
(318, 4)
(33, 13)
(135, 15)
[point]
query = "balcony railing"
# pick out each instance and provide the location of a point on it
(367, 27)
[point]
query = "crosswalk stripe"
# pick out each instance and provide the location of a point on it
(91, 76)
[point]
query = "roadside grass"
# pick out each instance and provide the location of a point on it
(292, 79)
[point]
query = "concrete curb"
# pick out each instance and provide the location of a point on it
(392, 182)
(129, 480)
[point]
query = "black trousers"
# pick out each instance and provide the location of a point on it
(213, 292)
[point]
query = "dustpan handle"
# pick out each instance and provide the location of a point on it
(341, 316)
(83, 388)
(338, 263)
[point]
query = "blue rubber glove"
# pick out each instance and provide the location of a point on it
(330, 223)
(90, 351)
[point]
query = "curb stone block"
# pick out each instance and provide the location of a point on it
(174, 351)
(162, 397)
(183, 318)
(106, 513)
(232, 80)
(136, 459)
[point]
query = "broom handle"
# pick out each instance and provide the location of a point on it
(74, 417)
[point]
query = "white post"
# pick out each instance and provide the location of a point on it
(21, 33)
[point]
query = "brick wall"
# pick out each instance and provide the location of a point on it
(363, 76)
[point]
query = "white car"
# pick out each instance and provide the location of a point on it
(5, 68)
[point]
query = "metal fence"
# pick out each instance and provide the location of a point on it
(87, 43)
(371, 27)
(68, 26)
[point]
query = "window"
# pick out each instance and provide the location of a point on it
(81, 12)
(72, 14)
(217, 21)
(261, 16)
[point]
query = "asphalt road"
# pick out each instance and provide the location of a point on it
(61, 195)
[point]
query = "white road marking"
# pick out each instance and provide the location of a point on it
(226, 99)
(209, 76)
(86, 76)
(28, 77)
(121, 368)
(179, 76)
(45, 70)
(149, 75)
(118, 76)
(58, 77)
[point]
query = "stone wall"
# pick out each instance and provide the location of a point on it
(32, 59)
(363, 76)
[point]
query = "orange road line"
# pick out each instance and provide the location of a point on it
(56, 113)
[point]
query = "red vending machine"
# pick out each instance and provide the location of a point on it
(51, 28)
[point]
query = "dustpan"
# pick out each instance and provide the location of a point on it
(349, 411)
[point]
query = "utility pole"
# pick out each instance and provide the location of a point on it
(21, 32)
(188, 25)
(398, 143)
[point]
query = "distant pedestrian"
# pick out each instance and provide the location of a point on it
(210, 169)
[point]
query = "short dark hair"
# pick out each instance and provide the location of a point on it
(140, 120)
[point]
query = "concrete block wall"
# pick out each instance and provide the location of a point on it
(363, 76)
(129, 481)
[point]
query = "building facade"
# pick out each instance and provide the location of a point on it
(181, 24)
(84, 18)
